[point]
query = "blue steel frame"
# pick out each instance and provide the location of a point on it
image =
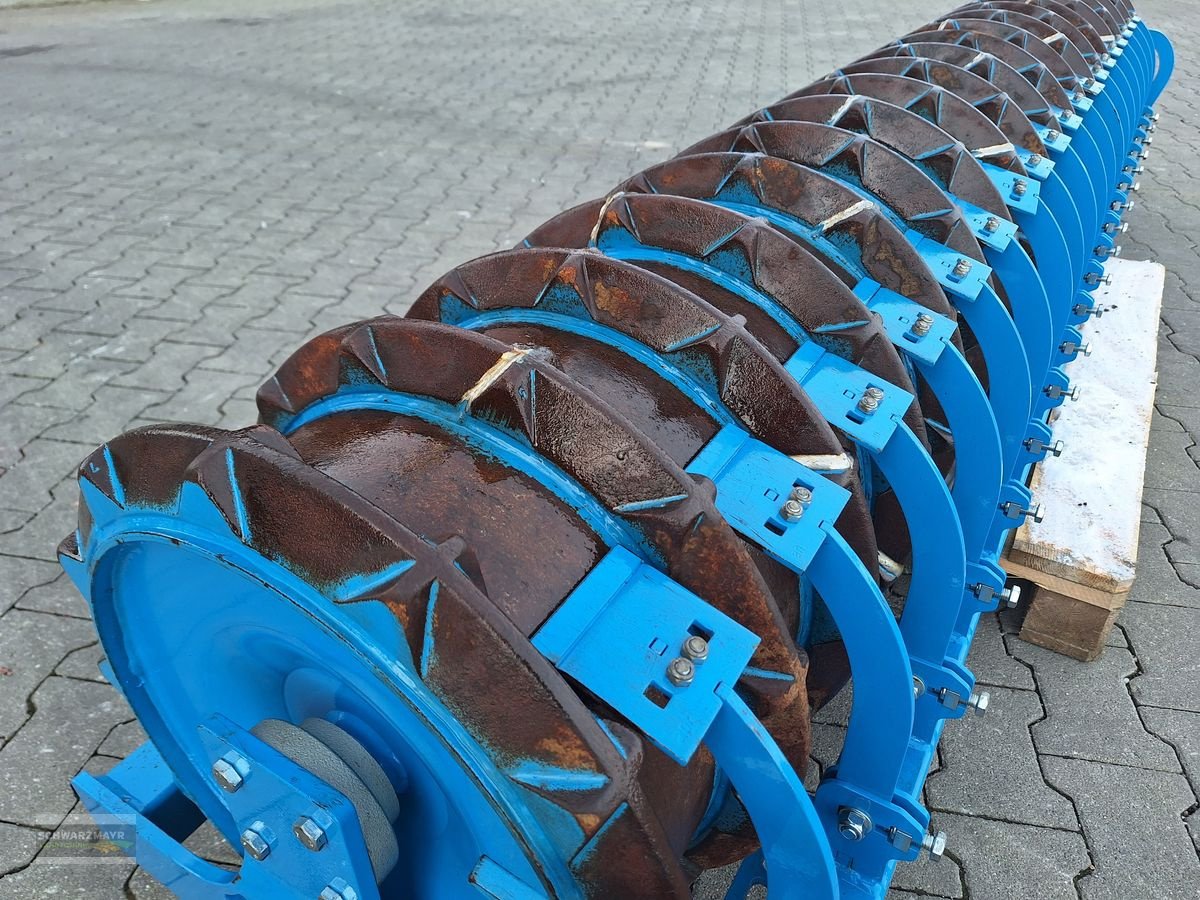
(909, 675)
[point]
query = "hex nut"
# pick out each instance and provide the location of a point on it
(792, 510)
(255, 842)
(681, 671)
(226, 775)
(310, 834)
(853, 824)
(695, 648)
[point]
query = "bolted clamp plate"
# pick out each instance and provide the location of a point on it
(619, 631)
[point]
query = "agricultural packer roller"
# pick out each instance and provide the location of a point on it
(534, 591)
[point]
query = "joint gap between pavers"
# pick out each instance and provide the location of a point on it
(1037, 755)
(1103, 762)
(1003, 821)
(1164, 605)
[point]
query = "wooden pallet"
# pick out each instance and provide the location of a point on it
(1082, 556)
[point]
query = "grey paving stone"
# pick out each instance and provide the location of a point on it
(44, 464)
(22, 423)
(1163, 639)
(1182, 730)
(58, 597)
(201, 397)
(989, 658)
(1158, 581)
(18, 846)
(1189, 574)
(1003, 860)
(1131, 818)
(74, 388)
(1089, 713)
(83, 663)
(18, 576)
(38, 536)
(937, 878)
(167, 366)
(55, 879)
(712, 885)
(31, 645)
(113, 408)
(1168, 463)
(123, 740)
(989, 767)
(71, 719)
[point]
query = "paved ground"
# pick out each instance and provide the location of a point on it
(187, 190)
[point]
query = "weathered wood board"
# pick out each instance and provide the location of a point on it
(1082, 555)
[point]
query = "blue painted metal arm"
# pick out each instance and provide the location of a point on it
(799, 863)
(979, 460)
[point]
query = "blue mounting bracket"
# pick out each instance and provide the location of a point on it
(273, 794)
(899, 317)
(1020, 192)
(836, 386)
(990, 230)
(961, 281)
(754, 481)
(618, 633)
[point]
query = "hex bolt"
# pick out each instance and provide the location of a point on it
(681, 671)
(1017, 511)
(1091, 311)
(1037, 445)
(1035, 159)
(853, 824)
(1020, 186)
(225, 772)
(962, 269)
(801, 494)
(792, 510)
(935, 843)
(978, 701)
(255, 841)
(992, 225)
(922, 325)
(695, 648)
(310, 834)
(1007, 598)
(1052, 135)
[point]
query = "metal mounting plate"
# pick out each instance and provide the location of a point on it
(619, 630)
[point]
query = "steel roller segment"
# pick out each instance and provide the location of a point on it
(576, 302)
(879, 176)
(737, 256)
(1037, 222)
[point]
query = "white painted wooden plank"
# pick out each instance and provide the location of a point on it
(1092, 494)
